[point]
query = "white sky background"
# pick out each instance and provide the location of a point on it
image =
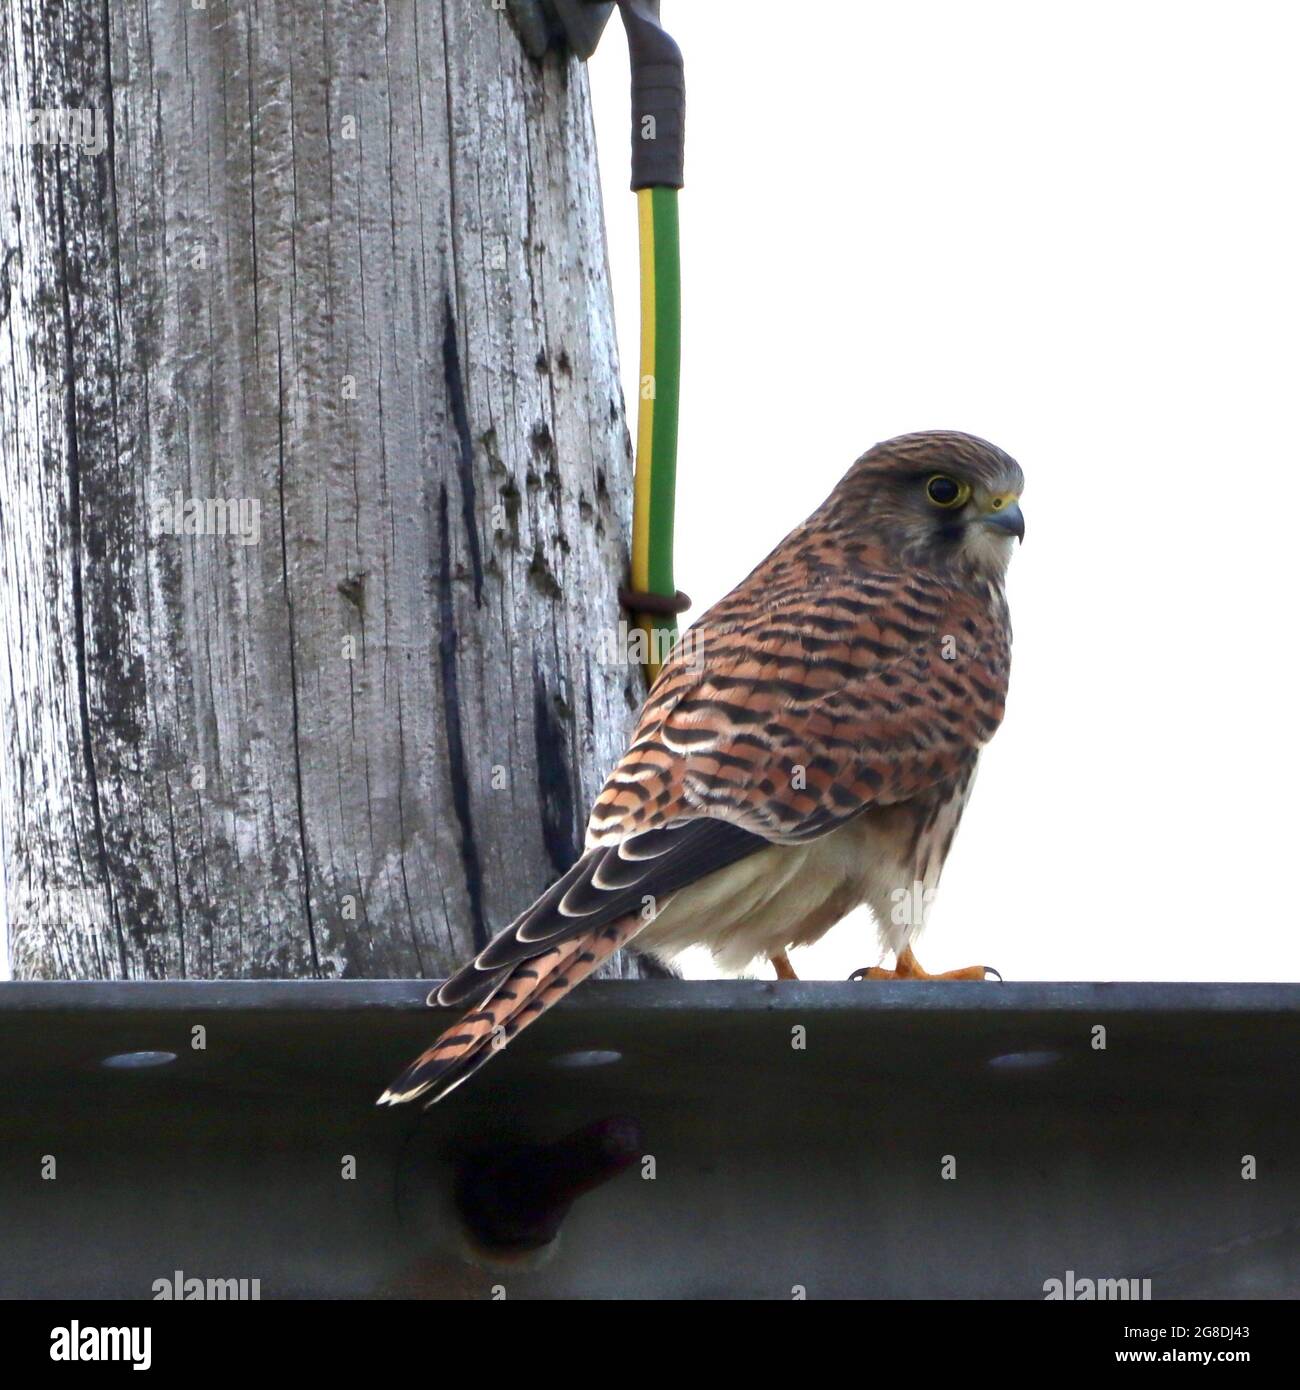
(1074, 230)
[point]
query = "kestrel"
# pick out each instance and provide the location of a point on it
(809, 747)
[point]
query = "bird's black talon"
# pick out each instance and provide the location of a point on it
(997, 974)
(860, 973)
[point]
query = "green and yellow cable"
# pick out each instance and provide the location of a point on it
(658, 123)
(656, 426)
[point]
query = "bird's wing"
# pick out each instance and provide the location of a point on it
(610, 881)
(788, 720)
(774, 727)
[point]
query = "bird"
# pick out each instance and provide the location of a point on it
(809, 746)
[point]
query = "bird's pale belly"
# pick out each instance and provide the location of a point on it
(790, 895)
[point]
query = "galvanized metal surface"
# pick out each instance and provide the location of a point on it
(775, 1166)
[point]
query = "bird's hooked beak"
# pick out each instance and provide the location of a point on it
(1003, 514)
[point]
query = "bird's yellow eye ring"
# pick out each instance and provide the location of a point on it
(947, 492)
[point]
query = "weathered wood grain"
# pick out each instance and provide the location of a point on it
(342, 264)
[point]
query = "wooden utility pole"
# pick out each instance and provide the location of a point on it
(315, 484)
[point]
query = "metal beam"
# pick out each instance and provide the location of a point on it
(797, 1133)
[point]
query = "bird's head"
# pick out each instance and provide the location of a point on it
(939, 499)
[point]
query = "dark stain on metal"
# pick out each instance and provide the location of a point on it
(516, 1199)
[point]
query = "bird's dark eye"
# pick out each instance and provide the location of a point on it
(944, 491)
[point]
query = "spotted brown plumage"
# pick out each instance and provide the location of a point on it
(809, 747)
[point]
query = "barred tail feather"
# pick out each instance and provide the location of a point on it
(524, 995)
(481, 1028)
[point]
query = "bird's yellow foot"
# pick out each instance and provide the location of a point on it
(781, 964)
(907, 967)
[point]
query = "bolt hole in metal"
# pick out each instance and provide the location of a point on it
(586, 1058)
(1025, 1061)
(137, 1061)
